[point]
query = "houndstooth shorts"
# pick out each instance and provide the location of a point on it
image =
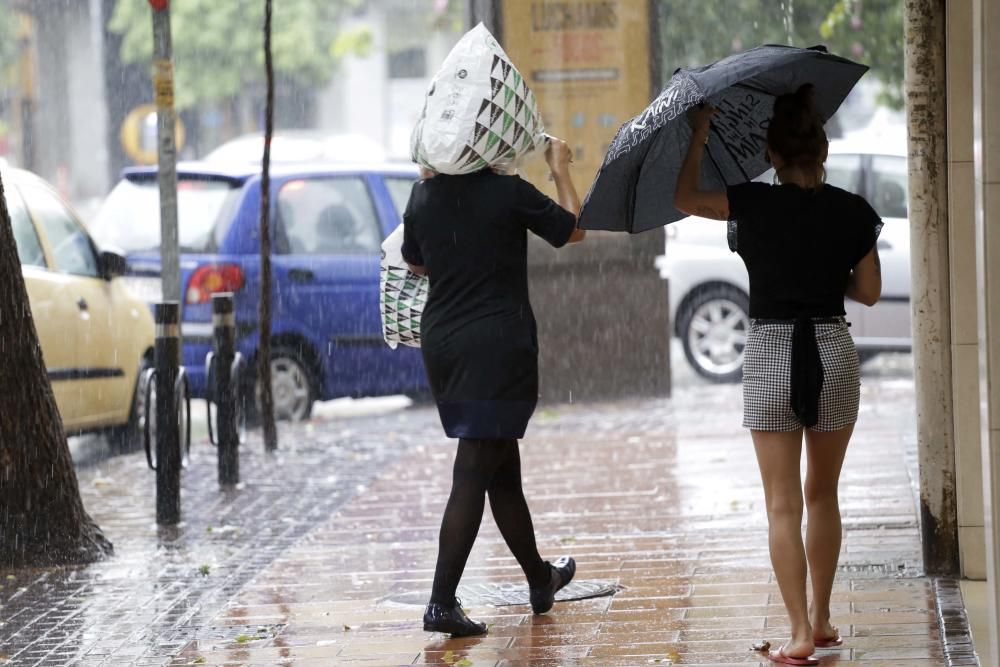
(767, 377)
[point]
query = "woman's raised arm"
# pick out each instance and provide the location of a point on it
(558, 156)
(688, 198)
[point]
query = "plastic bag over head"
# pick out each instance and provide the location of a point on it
(479, 112)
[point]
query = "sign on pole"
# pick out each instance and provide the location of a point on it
(166, 122)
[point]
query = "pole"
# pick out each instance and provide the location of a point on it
(168, 446)
(166, 122)
(268, 426)
(224, 322)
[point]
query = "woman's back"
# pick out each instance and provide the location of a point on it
(799, 246)
(471, 234)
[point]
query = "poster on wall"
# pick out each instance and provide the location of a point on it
(588, 63)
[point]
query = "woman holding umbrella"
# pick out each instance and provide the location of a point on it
(806, 246)
(469, 235)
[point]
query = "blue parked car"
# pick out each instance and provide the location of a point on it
(328, 223)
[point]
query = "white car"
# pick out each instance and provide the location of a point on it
(708, 284)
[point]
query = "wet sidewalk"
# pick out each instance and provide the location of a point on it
(326, 557)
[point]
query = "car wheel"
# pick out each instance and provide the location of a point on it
(292, 385)
(864, 356)
(713, 330)
(128, 437)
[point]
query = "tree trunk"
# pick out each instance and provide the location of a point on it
(264, 349)
(42, 519)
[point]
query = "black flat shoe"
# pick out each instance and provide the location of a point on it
(451, 620)
(543, 598)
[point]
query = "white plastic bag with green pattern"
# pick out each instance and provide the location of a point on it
(402, 295)
(479, 111)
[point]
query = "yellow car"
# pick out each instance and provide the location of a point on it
(96, 337)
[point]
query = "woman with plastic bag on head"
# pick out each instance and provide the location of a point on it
(468, 234)
(467, 231)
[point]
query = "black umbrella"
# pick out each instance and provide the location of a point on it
(634, 190)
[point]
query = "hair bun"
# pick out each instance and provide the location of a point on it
(795, 131)
(806, 97)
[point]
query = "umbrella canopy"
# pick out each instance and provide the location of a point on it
(634, 191)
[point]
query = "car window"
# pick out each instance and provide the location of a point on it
(399, 190)
(72, 249)
(844, 171)
(327, 216)
(129, 218)
(29, 248)
(889, 186)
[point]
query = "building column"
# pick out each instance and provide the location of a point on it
(964, 320)
(928, 207)
(986, 142)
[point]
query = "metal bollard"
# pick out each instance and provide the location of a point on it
(223, 368)
(168, 379)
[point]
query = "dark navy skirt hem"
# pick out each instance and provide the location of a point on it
(486, 420)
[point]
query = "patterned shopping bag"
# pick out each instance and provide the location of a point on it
(402, 295)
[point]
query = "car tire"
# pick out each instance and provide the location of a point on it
(127, 437)
(293, 384)
(864, 356)
(713, 327)
(421, 397)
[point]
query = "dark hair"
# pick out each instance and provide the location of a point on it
(796, 129)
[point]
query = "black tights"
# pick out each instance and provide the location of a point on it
(484, 467)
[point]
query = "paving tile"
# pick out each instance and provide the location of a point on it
(655, 498)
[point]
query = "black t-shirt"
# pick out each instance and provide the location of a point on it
(799, 246)
(470, 232)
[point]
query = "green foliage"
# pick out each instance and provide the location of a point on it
(218, 46)
(871, 31)
(8, 38)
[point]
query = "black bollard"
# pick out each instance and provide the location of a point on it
(224, 372)
(168, 435)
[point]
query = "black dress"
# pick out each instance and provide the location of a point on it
(478, 333)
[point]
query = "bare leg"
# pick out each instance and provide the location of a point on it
(778, 456)
(825, 454)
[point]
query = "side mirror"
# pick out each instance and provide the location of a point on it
(112, 264)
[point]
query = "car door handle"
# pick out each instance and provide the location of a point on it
(884, 245)
(302, 275)
(82, 304)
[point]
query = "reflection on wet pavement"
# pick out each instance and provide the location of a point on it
(660, 497)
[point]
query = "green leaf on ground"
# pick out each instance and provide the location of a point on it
(568, 539)
(204, 570)
(464, 662)
(200, 660)
(243, 639)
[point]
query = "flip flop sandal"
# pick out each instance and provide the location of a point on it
(780, 657)
(829, 643)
